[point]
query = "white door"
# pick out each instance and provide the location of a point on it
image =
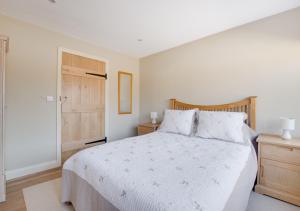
(2, 173)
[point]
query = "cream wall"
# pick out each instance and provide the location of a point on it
(32, 74)
(261, 58)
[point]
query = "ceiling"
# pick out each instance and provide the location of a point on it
(160, 24)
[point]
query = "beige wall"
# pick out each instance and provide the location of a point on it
(32, 75)
(261, 58)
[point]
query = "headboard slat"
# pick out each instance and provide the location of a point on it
(247, 105)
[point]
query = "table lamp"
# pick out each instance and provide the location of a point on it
(153, 116)
(287, 125)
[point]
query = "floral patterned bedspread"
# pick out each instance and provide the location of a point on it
(163, 171)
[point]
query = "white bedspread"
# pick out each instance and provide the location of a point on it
(163, 171)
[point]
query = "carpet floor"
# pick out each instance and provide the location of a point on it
(46, 197)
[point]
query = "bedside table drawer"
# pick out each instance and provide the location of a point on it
(280, 176)
(280, 153)
(145, 130)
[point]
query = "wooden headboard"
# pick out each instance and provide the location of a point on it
(247, 105)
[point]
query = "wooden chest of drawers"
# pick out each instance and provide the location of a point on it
(279, 168)
(147, 128)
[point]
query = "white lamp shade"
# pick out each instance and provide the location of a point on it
(153, 115)
(287, 123)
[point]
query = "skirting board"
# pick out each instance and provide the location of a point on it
(16, 173)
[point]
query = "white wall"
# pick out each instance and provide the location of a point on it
(261, 58)
(32, 74)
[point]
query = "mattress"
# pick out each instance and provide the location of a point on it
(161, 171)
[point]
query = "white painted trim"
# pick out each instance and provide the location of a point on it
(13, 174)
(58, 107)
(2, 124)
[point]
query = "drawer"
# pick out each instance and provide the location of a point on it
(280, 153)
(145, 130)
(280, 176)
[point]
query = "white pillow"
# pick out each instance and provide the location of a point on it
(221, 125)
(178, 121)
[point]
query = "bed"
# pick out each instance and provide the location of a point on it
(164, 171)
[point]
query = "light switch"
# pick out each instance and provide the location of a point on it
(50, 98)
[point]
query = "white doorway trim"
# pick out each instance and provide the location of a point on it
(58, 104)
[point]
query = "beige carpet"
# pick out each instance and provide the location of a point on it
(46, 197)
(258, 202)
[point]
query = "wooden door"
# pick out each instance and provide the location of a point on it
(83, 102)
(3, 48)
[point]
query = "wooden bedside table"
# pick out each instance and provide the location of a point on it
(279, 168)
(147, 128)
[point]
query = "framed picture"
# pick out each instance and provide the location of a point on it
(124, 92)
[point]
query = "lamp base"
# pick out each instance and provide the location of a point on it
(286, 135)
(153, 121)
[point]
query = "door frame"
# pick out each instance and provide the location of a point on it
(59, 89)
(4, 40)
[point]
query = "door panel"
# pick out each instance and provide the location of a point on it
(83, 101)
